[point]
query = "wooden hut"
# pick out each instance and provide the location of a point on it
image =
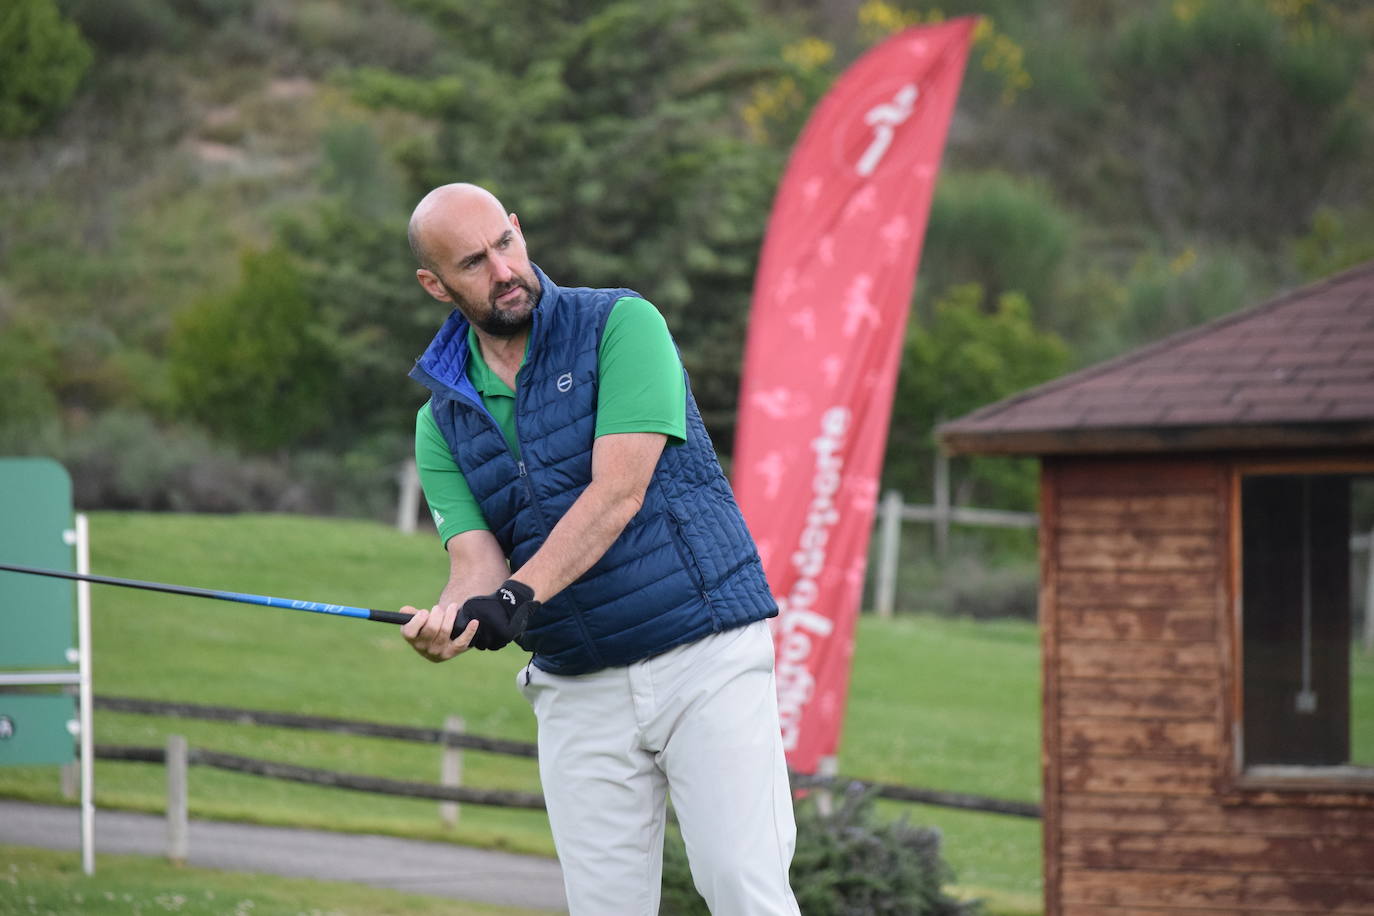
(1202, 506)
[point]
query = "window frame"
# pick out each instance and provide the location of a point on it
(1256, 779)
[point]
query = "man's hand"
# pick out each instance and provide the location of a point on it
(431, 633)
(502, 615)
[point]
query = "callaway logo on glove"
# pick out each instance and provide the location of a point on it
(501, 616)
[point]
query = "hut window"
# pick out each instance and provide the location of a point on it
(1305, 589)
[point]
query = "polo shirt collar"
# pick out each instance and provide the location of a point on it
(488, 383)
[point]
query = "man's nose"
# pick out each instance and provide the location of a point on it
(500, 269)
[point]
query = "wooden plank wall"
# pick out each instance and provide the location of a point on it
(1139, 816)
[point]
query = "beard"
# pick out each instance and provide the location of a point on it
(499, 320)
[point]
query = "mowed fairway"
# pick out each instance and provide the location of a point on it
(955, 704)
(936, 703)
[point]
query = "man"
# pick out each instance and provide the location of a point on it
(587, 519)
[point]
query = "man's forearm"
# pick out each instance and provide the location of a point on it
(622, 465)
(581, 537)
(476, 567)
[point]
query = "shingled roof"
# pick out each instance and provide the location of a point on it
(1297, 371)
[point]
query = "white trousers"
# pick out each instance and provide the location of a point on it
(699, 723)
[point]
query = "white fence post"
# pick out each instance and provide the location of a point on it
(826, 768)
(942, 512)
(889, 552)
(451, 770)
(408, 506)
(178, 831)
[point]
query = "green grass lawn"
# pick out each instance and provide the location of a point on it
(955, 704)
(933, 702)
(40, 881)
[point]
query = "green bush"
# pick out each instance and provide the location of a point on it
(1164, 295)
(367, 311)
(1004, 233)
(28, 368)
(988, 574)
(251, 366)
(847, 863)
(962, 359)
(358, 483)
(124, 460)
(1336, 241)
(1008, 591)
(42, 60)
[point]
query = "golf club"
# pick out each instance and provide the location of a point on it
(292, 604)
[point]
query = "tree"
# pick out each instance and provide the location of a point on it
(615, 130)
(963, 359)
(991, 228)
(249, 365)
(1232, 118)
(28, 364)
(42, 60)
(359, 277)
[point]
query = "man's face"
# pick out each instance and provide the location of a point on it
(485, 271)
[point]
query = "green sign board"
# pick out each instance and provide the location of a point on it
(37, 622)
(36, 729)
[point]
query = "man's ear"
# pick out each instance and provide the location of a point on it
(430, 281)
(515, 221)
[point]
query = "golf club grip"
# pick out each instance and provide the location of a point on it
(388, 616)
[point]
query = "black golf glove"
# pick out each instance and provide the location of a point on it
(501, 615)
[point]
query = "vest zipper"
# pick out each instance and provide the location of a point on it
(520, 464)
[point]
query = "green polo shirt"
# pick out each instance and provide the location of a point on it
(641, 389)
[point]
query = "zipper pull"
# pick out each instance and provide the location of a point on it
(521, 465)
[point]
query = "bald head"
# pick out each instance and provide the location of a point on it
(471, 254)
(440, 212)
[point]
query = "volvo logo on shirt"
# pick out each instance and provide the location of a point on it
(565, 382)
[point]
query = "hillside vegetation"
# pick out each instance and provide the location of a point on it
(206, 300)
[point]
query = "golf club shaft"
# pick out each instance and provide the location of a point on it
(291, 604)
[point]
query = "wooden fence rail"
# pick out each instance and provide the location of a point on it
(502, 798)
(317, 723)
(934, 797)
(290, 772)
(450, 793)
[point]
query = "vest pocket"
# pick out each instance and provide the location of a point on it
(686, 555)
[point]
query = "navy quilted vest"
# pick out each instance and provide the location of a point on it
(684, 567)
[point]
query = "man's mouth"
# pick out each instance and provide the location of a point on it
(507, 296)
